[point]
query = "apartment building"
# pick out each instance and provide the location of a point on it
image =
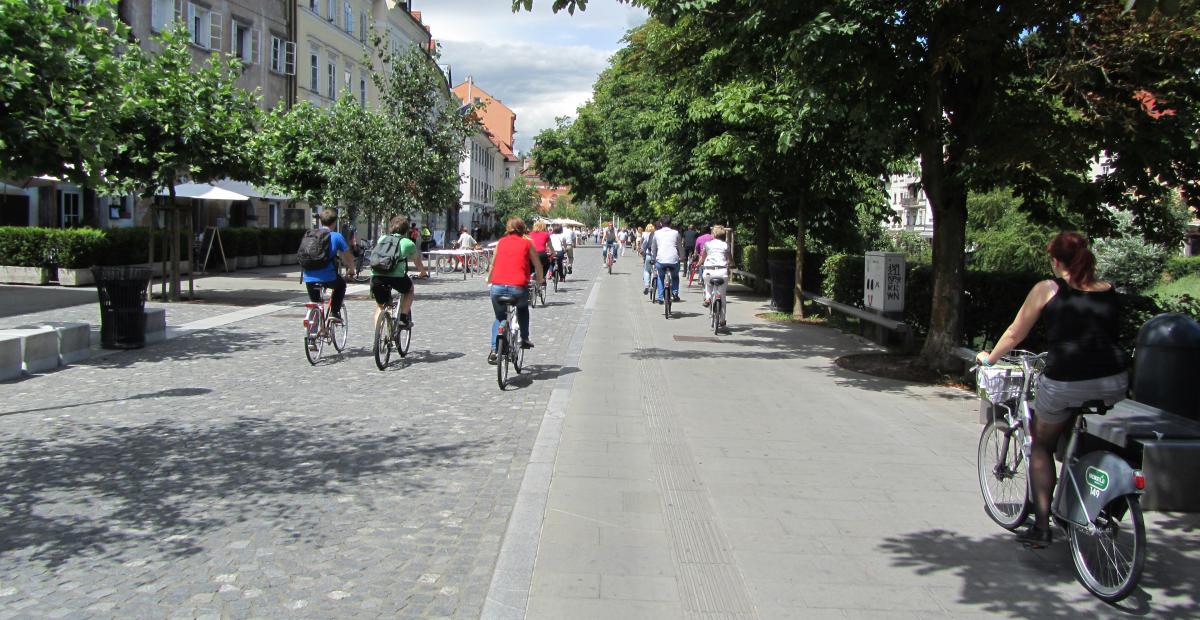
(912, 211)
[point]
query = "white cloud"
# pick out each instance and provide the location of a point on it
(540, 64)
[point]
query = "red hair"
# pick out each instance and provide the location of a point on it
(1071, 250)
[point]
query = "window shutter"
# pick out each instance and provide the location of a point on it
(256, 47)
(154, 23)
(214, 21)
(191, 20)
(179, 10)
(289, 58)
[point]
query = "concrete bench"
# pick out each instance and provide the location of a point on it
(156, 325)
(10, 356)
(38, 347)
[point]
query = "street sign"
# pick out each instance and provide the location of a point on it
(883, 282)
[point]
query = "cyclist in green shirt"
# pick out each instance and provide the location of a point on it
(382, 282)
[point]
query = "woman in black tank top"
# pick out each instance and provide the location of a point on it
(1083, 362)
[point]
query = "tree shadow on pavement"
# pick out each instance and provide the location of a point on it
(116, 490)
(1000, 577)
(167, 393)
(216, 343)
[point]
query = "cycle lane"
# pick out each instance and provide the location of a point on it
(748, 476)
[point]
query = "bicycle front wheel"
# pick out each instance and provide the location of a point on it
(1110, 555)
(404, 338)
(339, 331)
(383, 345)
(1003, 475)
(541, 294)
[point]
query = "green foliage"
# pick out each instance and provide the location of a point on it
(24, 246)
(517, 200)
(1179, 267)
(242, 241)
(274, 240)
(917, 249)
(1002, 236)
(842, 276)
(1129, 261)
(76, 248)
(128, 246)
(60, 67)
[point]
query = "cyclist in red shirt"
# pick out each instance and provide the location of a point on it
(541, 239)
(515, 259)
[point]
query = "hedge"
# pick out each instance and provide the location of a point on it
(77, 248)
(24, 247)
(80, 248)
(273, 241)
(241, 241)
(1183, 266)
(990, 301)
(813, 276)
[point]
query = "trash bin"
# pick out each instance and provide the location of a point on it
(122, 292)
(1166, 362)
(783, 280)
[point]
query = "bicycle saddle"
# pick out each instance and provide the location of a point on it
(718, 281)
(506, 300)
(1091, 407)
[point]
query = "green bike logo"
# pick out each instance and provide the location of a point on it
(1097, 479)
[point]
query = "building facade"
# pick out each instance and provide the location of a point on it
(910, 206)
(549, 194)
(501, 124)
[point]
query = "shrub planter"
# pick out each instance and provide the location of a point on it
(247, 262)
(289, 260)
(75, 277)
(160, 271)
(10, 274)
(271, 260)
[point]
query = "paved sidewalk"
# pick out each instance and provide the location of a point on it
(747, 476)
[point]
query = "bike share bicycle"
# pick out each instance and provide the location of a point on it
(716, 309)
(320, 328)
(1097, 496)
(391, 333)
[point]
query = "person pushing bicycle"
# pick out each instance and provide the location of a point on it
(397, 248)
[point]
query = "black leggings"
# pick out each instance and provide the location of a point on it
(338, 287)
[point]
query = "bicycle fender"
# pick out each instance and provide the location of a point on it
(1100, 477)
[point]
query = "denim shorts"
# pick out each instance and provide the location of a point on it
(1053, 398)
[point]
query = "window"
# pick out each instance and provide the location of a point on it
(313, 77)
(245, 43)
(204, 27)
(347, 16)
(273, 215)
(314, 6)
(332, 87)
(283, 56)
(70, 208)
(329, 9)
(362, 27)
(362, 88)
(162, 13)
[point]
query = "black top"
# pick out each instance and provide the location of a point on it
(689, 239)
(1081, 329)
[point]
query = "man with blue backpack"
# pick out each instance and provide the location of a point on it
(318, 253)
(389, 268)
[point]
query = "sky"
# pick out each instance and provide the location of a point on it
(540, 64)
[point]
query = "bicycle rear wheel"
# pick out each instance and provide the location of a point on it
(541, 294)
(1003, 475)
(1109, 561)
(667, 298)
(313, 344)
(382, 349)
(717, 308)
(338, 332)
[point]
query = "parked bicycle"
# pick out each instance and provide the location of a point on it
(320, 328)
(391, 334)
(362, 262)
(508, 342)
(1096, 499)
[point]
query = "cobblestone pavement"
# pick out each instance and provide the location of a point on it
(219, 475)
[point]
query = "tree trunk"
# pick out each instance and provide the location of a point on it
(949, 265)
(762, 245)
(798, 290)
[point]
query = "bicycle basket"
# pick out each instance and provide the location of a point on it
(1000, 383)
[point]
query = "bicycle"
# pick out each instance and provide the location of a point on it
(319, 328)
(537, 292)
(391, 333)
(1096, 498)
(608, 256)
(555, 275)
(508, 341)
(667, 293)
(716, 308)
(693, 267)
(654, 284)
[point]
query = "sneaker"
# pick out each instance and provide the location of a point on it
(525, 344)
(404, 319)
(492, 358)
(705, 303)
(646, 291)
(335, 319)
(1035, 537)
(675, 299)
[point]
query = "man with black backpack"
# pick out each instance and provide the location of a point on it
(389, 268)
(318, 253)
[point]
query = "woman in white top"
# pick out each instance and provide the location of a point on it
(714, 255)
(558, 249)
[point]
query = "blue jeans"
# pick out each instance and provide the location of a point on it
(663, 268)
(649, 264)
(521, 294)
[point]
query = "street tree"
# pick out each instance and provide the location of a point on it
(60, 65)
(178, 122)
(520, 199)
